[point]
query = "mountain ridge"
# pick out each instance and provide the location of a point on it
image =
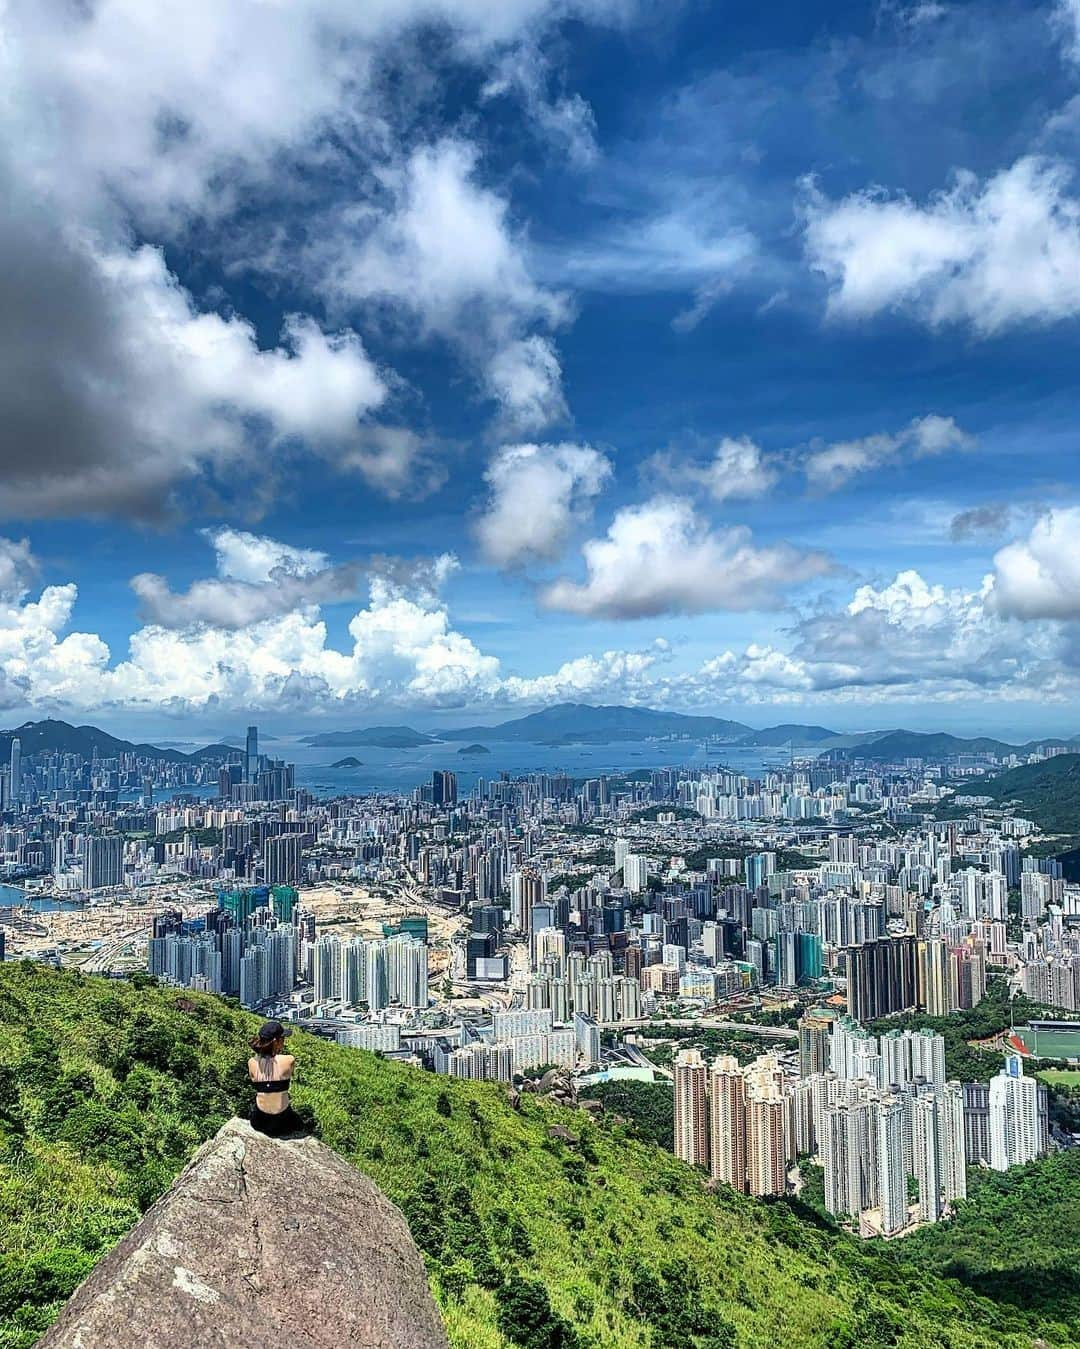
(61, 737)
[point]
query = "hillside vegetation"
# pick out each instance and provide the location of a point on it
(1048, 792)
(106, 1089)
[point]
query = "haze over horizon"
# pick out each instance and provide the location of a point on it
(436, 362)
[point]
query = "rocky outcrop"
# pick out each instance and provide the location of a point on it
(278, 1244)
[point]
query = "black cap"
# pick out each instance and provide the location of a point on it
(273, 1030)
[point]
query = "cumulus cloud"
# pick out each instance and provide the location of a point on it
(1039, 577)
(739, 469)
(439, 247)
(525, 379)
(660, 557)
(908, 640)
(536, 495)
(118, 385)
(989, 253)
(116, 388)
(831, 466)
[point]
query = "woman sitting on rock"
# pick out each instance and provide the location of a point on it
(271, 1070)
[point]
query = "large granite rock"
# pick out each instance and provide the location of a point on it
(259, 1244)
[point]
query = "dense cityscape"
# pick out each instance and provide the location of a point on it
(546, 930)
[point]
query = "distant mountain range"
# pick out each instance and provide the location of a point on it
(563, 724)
(58, 737)
(385, 737)
(581, 723)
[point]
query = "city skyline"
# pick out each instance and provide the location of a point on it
(631, 356)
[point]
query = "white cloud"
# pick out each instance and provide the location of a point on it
(1039, 577)
(17, 567)
(660, 557)
(440, 248)
(256, 559)
(907, 641)
(120, 380)
(738, 470)
(525, 379)
(536, 495)
(830, 467)
(989, 253)
(566, 122)
(140, 391)
(1067, 19)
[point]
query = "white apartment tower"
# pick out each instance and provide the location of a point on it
(1014, 1116)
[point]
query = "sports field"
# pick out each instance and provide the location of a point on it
(1059, 1077)
(1050, 1044)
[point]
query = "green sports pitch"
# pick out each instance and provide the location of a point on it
(1051, 1040)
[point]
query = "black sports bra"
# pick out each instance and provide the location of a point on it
(283, 1085)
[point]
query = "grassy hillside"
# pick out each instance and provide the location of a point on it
(1049, 792)
(106, 1089)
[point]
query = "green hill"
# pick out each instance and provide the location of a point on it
(582, 723)
(531, 1240)
(383, 737)
(1049, 792)
(59, 737)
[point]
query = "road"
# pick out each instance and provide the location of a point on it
(716, 1023)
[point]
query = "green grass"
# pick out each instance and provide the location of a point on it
(107, 1088)
(1060, 1077)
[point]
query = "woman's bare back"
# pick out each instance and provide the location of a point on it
(271, 1068)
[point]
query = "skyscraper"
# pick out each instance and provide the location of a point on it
(1014, 1116)
(251, 755)
(15, 789)
(103, 862)
(892, 1171)
(952, 1142)
(881, 977)
(443, 788)
(766, 1135)
(727, 1115)
(281, 859)
(691, 1113)
(926, 1154)
(814, 1043)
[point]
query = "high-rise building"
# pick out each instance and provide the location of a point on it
(935, 988)
(926, 1154)
(327, 968)
(282, 856)
(766, 1134)
(850, 1139)
(251, 755)
(103, 861)
(691, 1110)
(1014, 1116)
(727, 1117)
(952, 1143)
(881, 977)
(814, 1032)
(15, 787)
(892, 1169)
(443, 788)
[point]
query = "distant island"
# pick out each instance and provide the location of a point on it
(383, 737)
(348, 762)
(474, 749)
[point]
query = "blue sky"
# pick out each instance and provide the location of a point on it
(442, 359)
